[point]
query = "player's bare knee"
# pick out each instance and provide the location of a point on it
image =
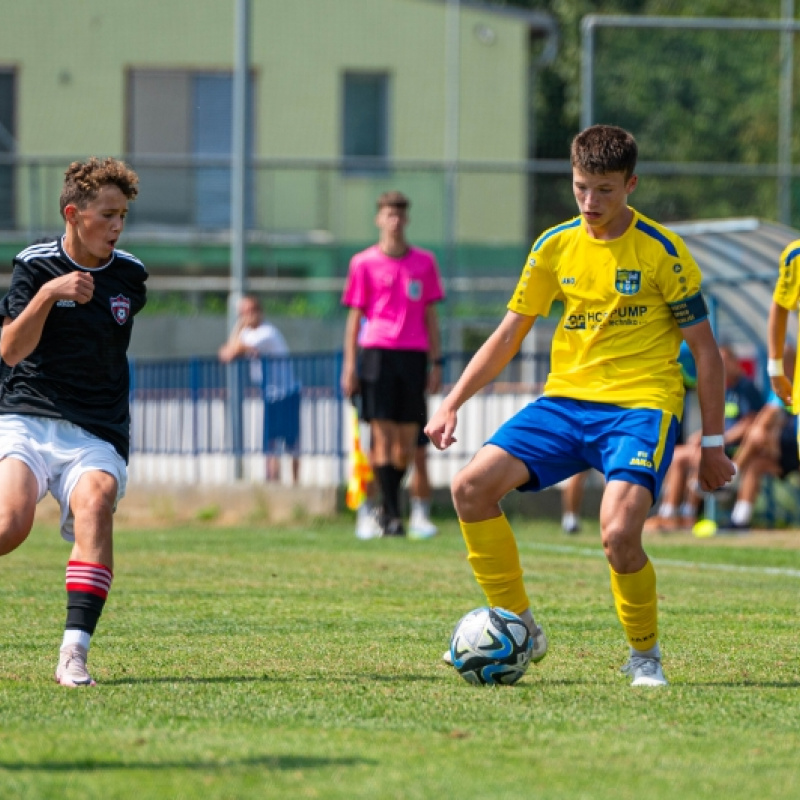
(92, 507)
(470, 491)
(618, 539)
(15, 526)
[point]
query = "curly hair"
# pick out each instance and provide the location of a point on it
(83, 181)
(601, 149)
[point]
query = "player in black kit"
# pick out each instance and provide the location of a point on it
(64, 413)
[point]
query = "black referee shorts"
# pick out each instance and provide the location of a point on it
(393, 385)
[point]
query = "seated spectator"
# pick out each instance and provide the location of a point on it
(681, 500)
(769, 448)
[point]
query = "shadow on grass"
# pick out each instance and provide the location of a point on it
(235, 679)
(270, 762)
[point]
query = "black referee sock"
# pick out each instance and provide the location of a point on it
(389, 479)
(399, 474)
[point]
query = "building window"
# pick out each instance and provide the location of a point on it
(365, 118)
(7, 148)
(180, 142)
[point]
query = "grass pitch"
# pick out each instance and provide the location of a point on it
(299, 662)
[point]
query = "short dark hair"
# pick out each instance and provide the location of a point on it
(83, 181)
(601, 149)
(393, 199)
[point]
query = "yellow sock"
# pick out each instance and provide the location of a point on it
(637, 605)
(494, 558)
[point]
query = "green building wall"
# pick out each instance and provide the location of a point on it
(72, 61)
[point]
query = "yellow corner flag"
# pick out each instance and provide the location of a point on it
(360, 469)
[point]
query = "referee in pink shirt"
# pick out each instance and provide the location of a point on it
(393, 289)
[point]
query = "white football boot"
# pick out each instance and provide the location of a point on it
(645, 670)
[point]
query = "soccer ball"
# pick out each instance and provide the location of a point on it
(491, 646)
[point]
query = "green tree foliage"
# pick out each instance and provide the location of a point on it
(690, 97)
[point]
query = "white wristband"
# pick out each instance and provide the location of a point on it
(774, 367)
(712, 441)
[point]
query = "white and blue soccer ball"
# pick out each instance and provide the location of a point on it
(491, 646)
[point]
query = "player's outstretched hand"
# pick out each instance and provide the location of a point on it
(716, 469)
(782, 387)
(77, 286)
(441, 426)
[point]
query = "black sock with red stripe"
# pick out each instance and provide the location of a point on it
(87, 589)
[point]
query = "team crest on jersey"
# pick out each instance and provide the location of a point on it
(628, 281)
(415, 290)
(120, 308)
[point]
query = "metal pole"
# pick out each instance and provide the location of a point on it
(239, 156)
(587, 72)
(238, 206)
(451, 133)
(785, 116)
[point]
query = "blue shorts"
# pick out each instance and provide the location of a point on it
(556, 437)
(282, 423)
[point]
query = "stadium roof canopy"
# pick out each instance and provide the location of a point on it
(739, 262)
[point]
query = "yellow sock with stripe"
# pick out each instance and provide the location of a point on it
(494, 558)
(637, 605)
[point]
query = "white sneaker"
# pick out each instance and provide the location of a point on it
(645, 671)
(368, 525)
(420, 526)
(71, 670)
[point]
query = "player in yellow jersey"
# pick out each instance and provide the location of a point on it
(631, 293)
(784, 299)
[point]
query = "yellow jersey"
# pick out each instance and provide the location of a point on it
(625, 300)
(787, 295)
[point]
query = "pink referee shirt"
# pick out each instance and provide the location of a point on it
(392, 293)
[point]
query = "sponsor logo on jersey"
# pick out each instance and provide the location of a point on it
(415, 290)
(568, 281)
(120, 308)
(624, 316)
(575, 322)
(65, 304)
(628, 281)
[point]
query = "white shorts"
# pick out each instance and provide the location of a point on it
(58, 453)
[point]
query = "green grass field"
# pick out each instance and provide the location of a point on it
(300, 662)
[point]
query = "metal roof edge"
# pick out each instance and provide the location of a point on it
(729, 225)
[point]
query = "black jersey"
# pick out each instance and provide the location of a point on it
(79, 370)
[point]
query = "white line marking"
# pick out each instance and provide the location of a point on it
(667, 562)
